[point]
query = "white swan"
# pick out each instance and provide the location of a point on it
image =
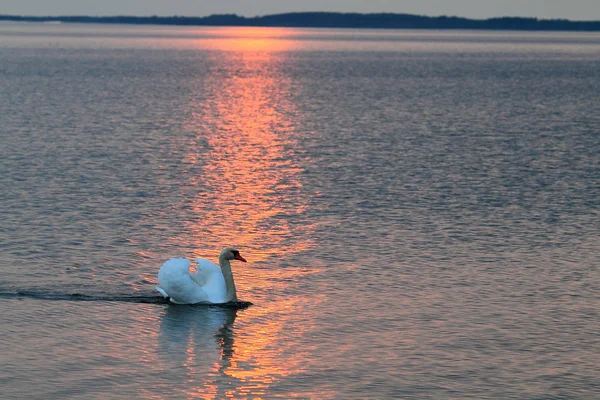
(209, 285)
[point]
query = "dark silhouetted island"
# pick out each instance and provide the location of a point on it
(333, 20)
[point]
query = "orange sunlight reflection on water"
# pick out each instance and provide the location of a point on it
(249, 39)
(250, 181)
(248, 193)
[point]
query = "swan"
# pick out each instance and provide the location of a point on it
(209, 285)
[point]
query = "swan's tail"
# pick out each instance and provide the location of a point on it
(161, 291)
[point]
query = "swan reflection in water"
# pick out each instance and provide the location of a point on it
(197, 344)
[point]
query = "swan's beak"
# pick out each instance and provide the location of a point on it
(238, 257)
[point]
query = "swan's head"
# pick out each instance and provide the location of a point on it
(232, 254)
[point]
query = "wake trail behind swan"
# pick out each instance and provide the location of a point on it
(123, 298)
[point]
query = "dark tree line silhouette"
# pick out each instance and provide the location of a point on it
(333, 20)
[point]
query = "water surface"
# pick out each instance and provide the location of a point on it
(419, 210)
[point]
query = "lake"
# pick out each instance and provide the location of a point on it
(420, 212)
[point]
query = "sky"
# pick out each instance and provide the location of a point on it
(570, 9)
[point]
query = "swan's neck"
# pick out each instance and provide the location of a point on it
(228, 275)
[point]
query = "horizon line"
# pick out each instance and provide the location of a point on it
(258, 16)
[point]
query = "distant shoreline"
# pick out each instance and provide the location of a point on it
(332, 20)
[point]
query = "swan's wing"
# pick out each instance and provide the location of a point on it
(205, 271)
(205, 286)
(206, 265)
(175, 281)
(212, 280)
(173, 267)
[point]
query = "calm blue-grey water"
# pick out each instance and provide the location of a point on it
(420, 211)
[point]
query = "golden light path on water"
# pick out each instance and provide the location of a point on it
(248, 192)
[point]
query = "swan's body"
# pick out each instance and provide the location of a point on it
(209, 285)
